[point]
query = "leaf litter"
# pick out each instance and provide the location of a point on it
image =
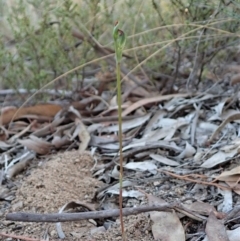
(167, 153)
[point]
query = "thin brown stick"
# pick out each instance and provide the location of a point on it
(186, 178)
(66, 217)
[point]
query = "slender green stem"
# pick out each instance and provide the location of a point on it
(119, 102)
(119, 42)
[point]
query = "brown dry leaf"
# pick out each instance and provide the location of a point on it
(36, 144)
(230, 176)
(146, 101)
(49, 128)
(215, 229)
(201, 207)
(166, 225)
(235, 186)
(58, 141)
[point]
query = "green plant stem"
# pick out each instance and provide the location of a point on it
(119, 102)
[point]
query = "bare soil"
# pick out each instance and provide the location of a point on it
(51, 184)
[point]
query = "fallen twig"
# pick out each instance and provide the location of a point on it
(65, 217)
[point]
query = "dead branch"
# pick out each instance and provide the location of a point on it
(66, 217)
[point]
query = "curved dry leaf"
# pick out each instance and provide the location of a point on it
(71, 205)
(218, 109)
(231, 146)
(105, 139)
(215, 229)
(83, 135)
(125, 193)
(164, 160)
(115, 173)
(231, 176)
(58, 141)
(49, 128)
(219, 158)
(19, 166)
(201, 207)
(130, 124)
(163, 133)
(235, 187)
(189, 151)
(36, 144)
(114, 188)
(146, 101)
(141, 166)
(155, 119)
(5, 146)
(228, 113)
(166, 225)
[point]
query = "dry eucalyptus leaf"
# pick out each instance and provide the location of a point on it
(166, 225)
(114, 188)
(71, 205)
(58, 141)
(36, 144)
(218, 109)
(125, 193)
(19, 166)
(215, 229)
(83, 135)
(152, 122)
(231, 176)
(104, 139)
(229, 113)
(141, 166)
(201, 207)
(130, 124)
(189, 151)
(235, 186)
(219, 158)
(164, 160)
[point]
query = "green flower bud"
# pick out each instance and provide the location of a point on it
(119, 41)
